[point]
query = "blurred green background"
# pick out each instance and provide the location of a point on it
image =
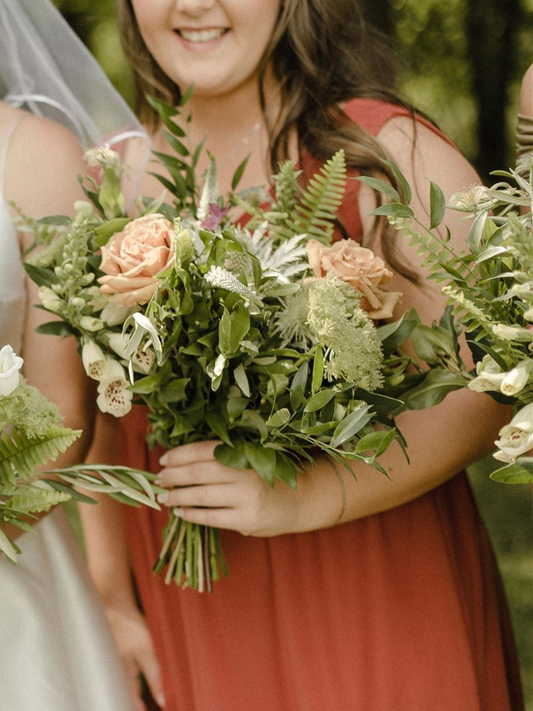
(461, 62)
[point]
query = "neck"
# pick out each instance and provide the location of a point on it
(227, 118)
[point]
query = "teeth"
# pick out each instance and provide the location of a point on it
(201, 35)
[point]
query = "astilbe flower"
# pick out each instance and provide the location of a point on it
(37, 414)
(351, 343)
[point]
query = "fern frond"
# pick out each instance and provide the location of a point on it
(318, 206)
(20, 454)
(286, 187)
(35, 498)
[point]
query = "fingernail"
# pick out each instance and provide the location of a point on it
(162, 498)
(177, 512)
(163, 460)
(158, 480)
(161, 700)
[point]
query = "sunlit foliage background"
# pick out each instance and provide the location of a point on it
(461, 63)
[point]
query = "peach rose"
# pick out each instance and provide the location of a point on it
(359, 266)
(134, 257)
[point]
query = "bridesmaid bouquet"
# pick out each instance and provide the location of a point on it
(257, 331)
(30, 435)
(490, 291)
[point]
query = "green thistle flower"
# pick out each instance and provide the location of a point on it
(291, 321)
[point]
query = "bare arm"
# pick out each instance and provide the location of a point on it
(44, 160)
(107, 557)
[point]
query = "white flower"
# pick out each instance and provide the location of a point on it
(94, 360)
(50, 300)
(84, 208)
(113, 395)
(102, 156)
(89, 323)
(472, 199)
(114, 314)
(142, 360)
(517, 378)
(516, 438)
(489, 376)
(10, 364)
(512, 333)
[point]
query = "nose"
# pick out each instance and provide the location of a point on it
(194, 7)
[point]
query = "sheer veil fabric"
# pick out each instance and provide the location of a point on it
(46, 68)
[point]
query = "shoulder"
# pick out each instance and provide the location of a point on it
(423, 153)
(43, 162)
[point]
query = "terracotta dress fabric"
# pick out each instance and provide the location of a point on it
(400, 611)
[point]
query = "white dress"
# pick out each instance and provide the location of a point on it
(56, 651)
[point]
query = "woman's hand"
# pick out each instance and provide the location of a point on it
(206, 492)
(137, 653)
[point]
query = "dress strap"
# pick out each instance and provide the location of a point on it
(4, 147)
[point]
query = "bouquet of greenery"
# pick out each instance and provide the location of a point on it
(490, 291)
(30, 435)
(260, 334)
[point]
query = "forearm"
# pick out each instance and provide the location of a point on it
(440, 443)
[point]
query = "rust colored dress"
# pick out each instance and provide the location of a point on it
(400, 611)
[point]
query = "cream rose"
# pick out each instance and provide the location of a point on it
(133, 258)
(360, 267)
(10, 365)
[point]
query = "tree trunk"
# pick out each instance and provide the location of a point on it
(490, 30)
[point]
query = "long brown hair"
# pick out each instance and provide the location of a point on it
(323, 54)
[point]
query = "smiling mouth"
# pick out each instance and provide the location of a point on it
(200, 36)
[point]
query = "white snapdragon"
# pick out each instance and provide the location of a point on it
(94, 360)
(50, 300)
(10, 365)
(90, 323)
(516, 438)
(512, 333)
(142, 360)
(115, 314)
(489, 376)
(113, 394)
(517, 378)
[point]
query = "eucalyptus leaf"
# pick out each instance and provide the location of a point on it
(234, 457)
(351, 425)
(319, 400)
(262, 460)
(279, 418)
(318, 370)
(513, 474)
(380, 186)
(436, 385)
(437, 205)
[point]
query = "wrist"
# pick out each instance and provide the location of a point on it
(322, 496)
